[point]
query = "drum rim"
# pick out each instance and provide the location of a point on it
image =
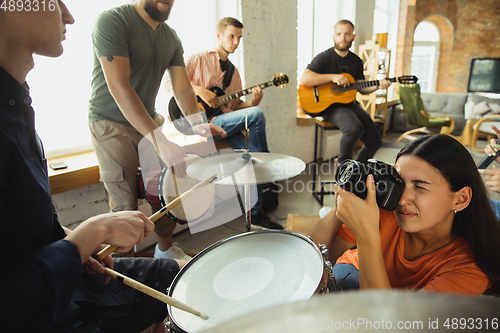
(219, 243)
(161, 197)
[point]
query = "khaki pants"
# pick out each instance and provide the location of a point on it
(116, 148)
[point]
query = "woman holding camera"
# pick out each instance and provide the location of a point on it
(442, 237)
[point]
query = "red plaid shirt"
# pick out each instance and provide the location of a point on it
(204, 70)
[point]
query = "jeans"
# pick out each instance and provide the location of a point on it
(355, 124)
(234, 123)
(347, 276)
(495, 205)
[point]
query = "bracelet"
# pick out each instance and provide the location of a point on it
(196, 123)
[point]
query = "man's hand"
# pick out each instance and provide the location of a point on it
(170, 153)
(121, 229)
(207, 96)
(384, 84)
(209, 130)
(340, 80)
(257, 95)
(93, 266)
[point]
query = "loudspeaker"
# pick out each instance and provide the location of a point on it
(269, 197)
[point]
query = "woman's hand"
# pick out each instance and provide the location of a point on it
(360, 216)
(493, 147)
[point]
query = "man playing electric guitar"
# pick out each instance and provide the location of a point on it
(213, 68)
(351, 119)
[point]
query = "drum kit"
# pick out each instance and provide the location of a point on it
(244, 273)
(270, 280)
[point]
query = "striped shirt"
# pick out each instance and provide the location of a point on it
(204, 70)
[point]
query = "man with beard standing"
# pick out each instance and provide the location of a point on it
(351, 119)
(133, 46)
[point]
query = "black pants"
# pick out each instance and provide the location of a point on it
(355, 124)
(119, 308)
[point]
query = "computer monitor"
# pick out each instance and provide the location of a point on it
(484, 75)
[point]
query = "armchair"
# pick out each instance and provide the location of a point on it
(409, 94)
(483, 127)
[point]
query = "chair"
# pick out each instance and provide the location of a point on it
(483, 127)
(409, 94)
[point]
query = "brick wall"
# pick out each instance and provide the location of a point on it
(468, 28)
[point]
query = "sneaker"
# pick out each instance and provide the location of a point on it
(173, 252)
(324, 211)
(264, 221)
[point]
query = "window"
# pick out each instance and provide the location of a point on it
(425, 55)
(61, 86)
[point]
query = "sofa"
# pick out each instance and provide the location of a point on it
(448, 104)
(460, 106)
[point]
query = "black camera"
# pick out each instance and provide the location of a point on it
(351, 176)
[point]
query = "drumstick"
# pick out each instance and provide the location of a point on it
(153, 293)
(175, 184)
(108, 249)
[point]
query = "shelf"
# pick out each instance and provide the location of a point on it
(376, 65)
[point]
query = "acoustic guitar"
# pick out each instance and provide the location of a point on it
(317, 99)
(182, 125)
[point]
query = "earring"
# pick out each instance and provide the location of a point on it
(455, 211)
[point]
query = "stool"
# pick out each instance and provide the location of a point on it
(301, 224)
(325, 126)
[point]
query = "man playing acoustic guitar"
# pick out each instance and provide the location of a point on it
(351, 119)
(212, 68)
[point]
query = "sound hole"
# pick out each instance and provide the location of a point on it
(336, 89)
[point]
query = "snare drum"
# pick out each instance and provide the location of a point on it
(243, 274)
(160, 187)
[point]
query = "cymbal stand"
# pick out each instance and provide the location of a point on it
(246, 187)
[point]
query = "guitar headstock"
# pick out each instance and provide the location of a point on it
(280, 80)
(407, 79)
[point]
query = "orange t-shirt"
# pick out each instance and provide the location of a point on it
(451, 269)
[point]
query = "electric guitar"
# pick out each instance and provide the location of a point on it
(182, 125)
(315, 100)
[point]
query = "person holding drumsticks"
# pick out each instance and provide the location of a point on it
(133, 47)
(44, 285)
(442, 237)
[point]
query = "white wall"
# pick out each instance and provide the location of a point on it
(270, 47)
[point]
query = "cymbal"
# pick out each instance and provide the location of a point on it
(260, 168)
(371, 311)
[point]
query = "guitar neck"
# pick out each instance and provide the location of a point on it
(240, 93)
(365, 84)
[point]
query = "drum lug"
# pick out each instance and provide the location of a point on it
(325, 253)
(168, 327)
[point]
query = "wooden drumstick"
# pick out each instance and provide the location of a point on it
(153, 293)
(175, 184)
(108, 249)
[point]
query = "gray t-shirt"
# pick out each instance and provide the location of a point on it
(121, 31)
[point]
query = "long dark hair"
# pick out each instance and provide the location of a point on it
(477, 222)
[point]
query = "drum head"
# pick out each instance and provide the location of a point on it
(246, 273)
(194, 206)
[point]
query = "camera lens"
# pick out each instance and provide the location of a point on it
(351, 176)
